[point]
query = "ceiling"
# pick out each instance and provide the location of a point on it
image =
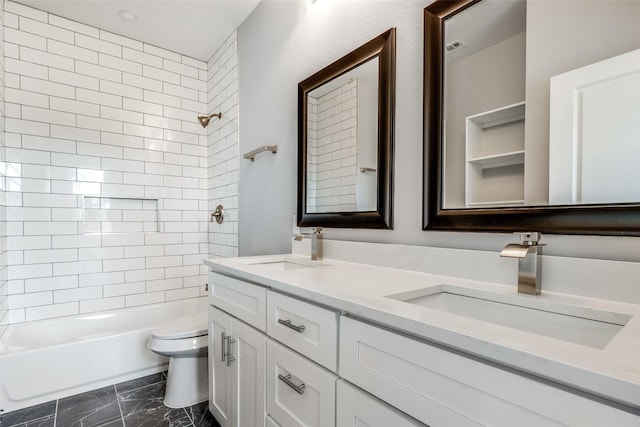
(195, 28)
(485, 24)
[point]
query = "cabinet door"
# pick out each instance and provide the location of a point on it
(249, 350)
(220, 376)
(356, 408)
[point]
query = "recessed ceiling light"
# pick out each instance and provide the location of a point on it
(125, 14)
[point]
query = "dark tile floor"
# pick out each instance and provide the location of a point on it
(136, 403)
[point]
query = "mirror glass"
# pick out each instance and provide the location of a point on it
(531, 105)
(342, 142)
(345, 139)
(484, 92)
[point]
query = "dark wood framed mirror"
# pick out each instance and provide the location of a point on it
(439, 212)
(345, 139)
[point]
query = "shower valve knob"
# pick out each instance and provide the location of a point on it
(218, 214)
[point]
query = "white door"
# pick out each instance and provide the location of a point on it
(220, 386)
(594, 133)
(249, 350)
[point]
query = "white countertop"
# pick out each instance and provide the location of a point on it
(361, 290)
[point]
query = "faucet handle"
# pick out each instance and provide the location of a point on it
(315, 234)
(529, 238)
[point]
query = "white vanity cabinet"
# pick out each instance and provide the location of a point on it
(308, 329)
(277, 360)
(301, 384)
(236, 370)
(237, 351)
(256, 377)
(355, 408)
(241, 299)
(443, 388)
(299, 392)
(271, 422)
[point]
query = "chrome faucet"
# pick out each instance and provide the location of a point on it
(528, 252)
(316, 242)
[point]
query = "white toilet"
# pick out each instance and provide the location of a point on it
(184, 341)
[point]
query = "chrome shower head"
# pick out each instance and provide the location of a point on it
(204, 120)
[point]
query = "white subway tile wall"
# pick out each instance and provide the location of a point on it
(105, 215)
(333, 152)
(4, 255)
(108, 172)
(222, 153)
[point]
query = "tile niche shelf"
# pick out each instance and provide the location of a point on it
(495, 157)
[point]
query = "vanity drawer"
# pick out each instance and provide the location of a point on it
(246, 301)
(299, 392)
(355, 407)
(442, 388)
(306, 328)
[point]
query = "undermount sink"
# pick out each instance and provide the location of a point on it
(571, 323)
(281, 264)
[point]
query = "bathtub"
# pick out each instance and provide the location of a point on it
(46, 360)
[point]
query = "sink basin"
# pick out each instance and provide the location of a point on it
(282, 265)
(572, 323)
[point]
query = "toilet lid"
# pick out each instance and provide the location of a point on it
(193, 325)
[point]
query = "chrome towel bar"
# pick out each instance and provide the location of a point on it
(251, 155)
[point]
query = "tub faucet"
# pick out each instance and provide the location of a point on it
(316, 242)
(528, 252)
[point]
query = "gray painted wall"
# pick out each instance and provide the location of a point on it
(285, 41)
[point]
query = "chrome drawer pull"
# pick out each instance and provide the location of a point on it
(222, 340)
(299, 388)
(230, 357)
(288, 324)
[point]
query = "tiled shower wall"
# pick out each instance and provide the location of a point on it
(223, 147)
(96, 120)
(4, 286)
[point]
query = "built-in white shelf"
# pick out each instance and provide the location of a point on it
(497, 203)
(495, 157)
(499, 116)
(499, 160)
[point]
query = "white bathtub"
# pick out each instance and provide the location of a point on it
(46, 360)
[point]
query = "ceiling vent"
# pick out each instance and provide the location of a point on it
(455, 45)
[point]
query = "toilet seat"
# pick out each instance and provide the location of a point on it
(185, 336)
(190, 326)
(183, 347)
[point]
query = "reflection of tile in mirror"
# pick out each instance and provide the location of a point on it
(341, 132)
(332, 140)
